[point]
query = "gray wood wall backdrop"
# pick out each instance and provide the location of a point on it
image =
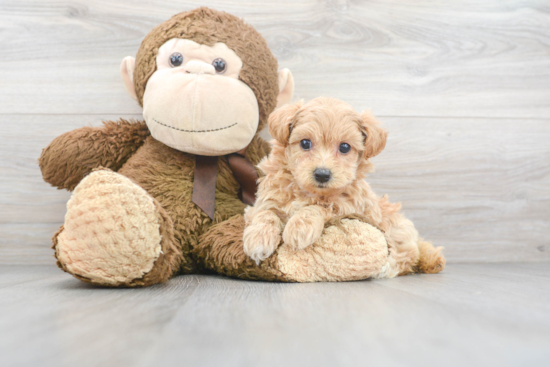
(462, 86)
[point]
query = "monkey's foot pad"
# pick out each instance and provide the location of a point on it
(350, 249)
(111, 233)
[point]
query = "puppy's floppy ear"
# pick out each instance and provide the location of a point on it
(376, 136)
(280, 122)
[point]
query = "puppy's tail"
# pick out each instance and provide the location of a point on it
(431, 260)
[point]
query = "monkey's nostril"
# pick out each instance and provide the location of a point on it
(322, 175)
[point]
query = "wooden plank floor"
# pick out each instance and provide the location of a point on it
(469, 315)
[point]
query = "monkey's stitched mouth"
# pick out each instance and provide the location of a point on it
(195, 131)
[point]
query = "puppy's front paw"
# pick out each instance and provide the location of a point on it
(260, 241)
(301, 232)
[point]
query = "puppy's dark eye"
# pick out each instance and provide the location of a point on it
(344, 148)
(176, 59)
(305, 144)
(219, 65)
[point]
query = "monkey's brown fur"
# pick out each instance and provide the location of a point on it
(190, 240)
(72, 155)
(207, 26)
(166, 174)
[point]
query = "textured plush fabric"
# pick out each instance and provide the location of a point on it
(76, 153)
(159, 184)
(164, 173)
(112, 232)
(353, 250)
(136, 224)
(220, 249)
(207, 27)
(167, 175)
(350, 249)
(196, 110)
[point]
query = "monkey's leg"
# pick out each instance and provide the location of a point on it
(349, 249)
(116, 234)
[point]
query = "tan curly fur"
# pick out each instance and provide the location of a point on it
(293, 206)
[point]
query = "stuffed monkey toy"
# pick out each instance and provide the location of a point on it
(165, 196)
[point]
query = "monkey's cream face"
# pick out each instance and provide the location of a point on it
(195, 102)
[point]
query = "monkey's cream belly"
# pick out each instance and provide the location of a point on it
(199, 113)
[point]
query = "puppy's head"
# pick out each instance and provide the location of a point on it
(326, 143)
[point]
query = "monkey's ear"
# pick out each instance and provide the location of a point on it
(376, 136)
(280, 122)
(286, 87)
(127, 72)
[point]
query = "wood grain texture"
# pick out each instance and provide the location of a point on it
(478, 187)
(469, 315)
(462, 86)
(421, 58)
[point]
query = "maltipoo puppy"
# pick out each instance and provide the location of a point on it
(316, 171)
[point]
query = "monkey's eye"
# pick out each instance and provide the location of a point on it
(305, 144)
(176, 59)
(344, 148)
(219, 65)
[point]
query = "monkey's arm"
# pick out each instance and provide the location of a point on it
(71, 156)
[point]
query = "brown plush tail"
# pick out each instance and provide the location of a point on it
(431, 259)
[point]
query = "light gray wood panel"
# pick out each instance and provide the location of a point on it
(28, 243)
(26, 197)
(403, 58)
(469, 315)
(31, 210)
(479, 187)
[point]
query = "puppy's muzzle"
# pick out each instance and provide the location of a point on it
(322, 175)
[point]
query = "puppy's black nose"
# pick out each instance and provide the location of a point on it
(322, 175)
